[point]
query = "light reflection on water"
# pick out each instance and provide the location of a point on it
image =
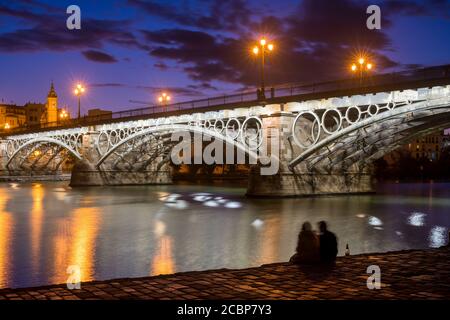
(148, 230)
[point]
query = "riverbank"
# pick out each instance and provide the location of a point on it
(412, 274)
(35, 178)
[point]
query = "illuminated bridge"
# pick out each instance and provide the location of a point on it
(324, 136)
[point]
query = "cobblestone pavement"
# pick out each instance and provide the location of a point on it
(416, 274)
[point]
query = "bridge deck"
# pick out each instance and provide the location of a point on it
(419, 78)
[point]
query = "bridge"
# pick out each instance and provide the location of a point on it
(323, 137)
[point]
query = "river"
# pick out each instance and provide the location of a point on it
(134, 231)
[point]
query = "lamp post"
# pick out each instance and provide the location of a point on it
(164, 98)
(79, 90)
(261, 49)
(361, 66)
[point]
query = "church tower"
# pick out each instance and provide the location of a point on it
(52, 105)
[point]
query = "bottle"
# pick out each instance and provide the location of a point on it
(347, 250)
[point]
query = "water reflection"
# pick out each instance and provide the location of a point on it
(136, 231)
(163, 261)
(61, 241)
(74, 243)
(84, 227)
(437, 236)
(5, 239)
(37, 196)
(417, 219)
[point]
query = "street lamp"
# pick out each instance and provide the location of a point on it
(361, 66)
(7, 126)
(164, 98)
(262, 47)
(63, 115)
(79, 90)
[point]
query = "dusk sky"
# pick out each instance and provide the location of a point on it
(134, 49)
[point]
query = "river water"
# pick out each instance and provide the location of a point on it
(133, 231)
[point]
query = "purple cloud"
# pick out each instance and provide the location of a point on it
(98, 56)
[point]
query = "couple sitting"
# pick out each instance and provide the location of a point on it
(312, 248)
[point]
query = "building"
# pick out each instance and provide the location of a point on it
(12, 116)
(51, 108)
(428, 147)
(32, 113)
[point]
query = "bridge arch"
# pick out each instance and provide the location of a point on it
(157, 130)
(41, 140)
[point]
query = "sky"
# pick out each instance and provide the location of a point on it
(132, 50)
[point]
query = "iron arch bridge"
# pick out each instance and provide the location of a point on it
(318, 142)
(131, 145)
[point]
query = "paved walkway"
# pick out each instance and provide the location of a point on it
(418, 274)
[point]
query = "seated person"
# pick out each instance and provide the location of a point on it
(307, 250)
(328, 244)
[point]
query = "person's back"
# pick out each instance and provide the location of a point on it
(328, 244)
(307, 246)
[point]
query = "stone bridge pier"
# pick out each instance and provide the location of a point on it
(301, 180)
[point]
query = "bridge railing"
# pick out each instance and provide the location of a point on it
(423, 75)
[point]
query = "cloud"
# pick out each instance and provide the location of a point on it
(404, 7)
(312, 43)
(107, 85)
(334, 23)
(436, 8)
(98, 56)
(21, 14)
(44, 31)
(177, 91)
(161, 66)
(190, 91)
(211, 40)
(203, 86)
(227, 15)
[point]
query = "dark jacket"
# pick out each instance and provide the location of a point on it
(307, 247)
(328, 246)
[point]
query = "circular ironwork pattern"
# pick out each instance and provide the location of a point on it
(349, 117)
(308, 126)
(233, 128)
(246, 130)
(251, 133)
(336, 119)
(306, 136)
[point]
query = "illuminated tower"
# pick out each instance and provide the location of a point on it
(52, 105)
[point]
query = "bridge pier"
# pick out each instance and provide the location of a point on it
(301, 181)
(85, 174)
(291, 185)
